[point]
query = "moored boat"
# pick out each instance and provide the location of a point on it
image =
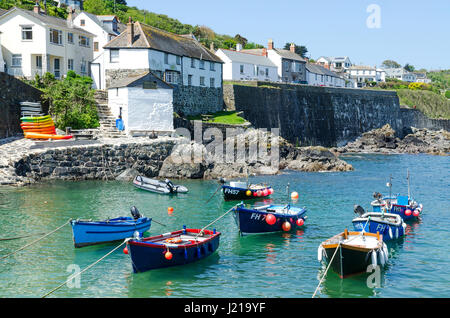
(391, 226)
(245, 191)
(88, 232)
(171, 249)
(352, 253)
(268, 218)
(158, 186)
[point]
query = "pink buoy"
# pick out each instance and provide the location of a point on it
(286, 226)
(271, 191)
(408, 212)
(259, 193)
(265, 192)
(300, 222)
(416, 212)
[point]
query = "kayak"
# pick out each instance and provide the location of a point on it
(36, 119)
(41, 131)
(37, 125)
(46, 136)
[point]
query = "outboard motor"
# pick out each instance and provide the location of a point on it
(135, 213)
(358, 210)
(377, 196)
(170, 185)
(222, 180)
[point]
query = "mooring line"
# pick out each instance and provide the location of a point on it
(35, 241)
(201, 231)
(20, 237)
(325, 274)
(78, 274)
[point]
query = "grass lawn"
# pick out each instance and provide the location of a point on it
(223, 117)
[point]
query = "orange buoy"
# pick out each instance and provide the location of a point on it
(248, 193)
(125, 250)
(170, 210)
(300, 222)
(294, 195)
(408, 212)
(168, 255)
(286, 226)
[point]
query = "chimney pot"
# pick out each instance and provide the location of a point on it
(264, 52)
(211, 46)
(130, 32)
(292, 48)
(270, 45)
(70, 18)
(37, 8)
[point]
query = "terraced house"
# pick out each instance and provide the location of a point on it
(192, 70)
(34, 43)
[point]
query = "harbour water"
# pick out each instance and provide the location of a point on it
(269, 265)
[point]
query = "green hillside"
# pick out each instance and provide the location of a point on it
(431, 104)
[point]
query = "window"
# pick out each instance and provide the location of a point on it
(16, 60)
(178, 60)
(95, 46)
(83, 67)
(212, 66)
(82, 22)
(56, 36)
(27, 33)
(70, 64)
(212, 82)
(189, 80)
(192, 63)
(171, 77)
(38, 61)
(114, 56)
(83, 40)
(241, 69)
(166, 58)
(70, 38)
(202, 65)
(202, 81)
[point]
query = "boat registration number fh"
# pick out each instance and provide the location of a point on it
(258, 217)
(230, 191)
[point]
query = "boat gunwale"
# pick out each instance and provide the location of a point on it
(145, 241)
(328, 245)
(140, 221)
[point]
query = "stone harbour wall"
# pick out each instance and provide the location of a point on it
(195, 100)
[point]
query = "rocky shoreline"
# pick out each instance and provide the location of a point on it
(384, 140)
(24, 161)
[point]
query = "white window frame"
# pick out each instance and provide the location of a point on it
(27, 29)
(16, 58)
(212, 82)
(86, 40)
(115, 58)
(59, 37)
(70, 65)
(70, 37)
(202, 81)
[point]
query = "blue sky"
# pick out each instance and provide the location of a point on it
(411, 31)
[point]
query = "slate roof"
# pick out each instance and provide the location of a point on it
(53, 21)
(248, 58)
(287, 54)
(2, 11)
(362, 67)
(138, 80)
(148, 37)
(318, 69)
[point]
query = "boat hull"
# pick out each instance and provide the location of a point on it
(148, 255)
(252, 221)
(235, 193)
(399, 210)
(348, 261)
(87, 233)
(156, 186)
(390, 225)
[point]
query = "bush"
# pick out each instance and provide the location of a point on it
(71, 100)
(447, 93)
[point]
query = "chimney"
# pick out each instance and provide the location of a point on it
(211, 46)
(130, 32)
(270, 45)
(264, 52)
(70, 18)
(37, 8)
(292, 48)
(238, 47)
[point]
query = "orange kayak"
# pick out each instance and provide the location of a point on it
(46, 136)
(27, 125)
(41, 131)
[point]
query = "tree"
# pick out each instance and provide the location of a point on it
(94, 6)
(390, 64)
(240, 39)
(299, 49)
(408, 67)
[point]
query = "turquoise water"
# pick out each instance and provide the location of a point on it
(270, 265)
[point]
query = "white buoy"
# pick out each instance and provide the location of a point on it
(396, 232)
(374, 258)
(390, 233)
(381, 256)
(320, 253)
(386, 252)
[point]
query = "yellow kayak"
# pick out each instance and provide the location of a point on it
(46, 136)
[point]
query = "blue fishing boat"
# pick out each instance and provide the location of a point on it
(268, 218)
(171, 249)
(403, 205)
(391, 226)
(88, 232)
(245, 191)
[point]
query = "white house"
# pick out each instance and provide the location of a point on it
(178, 60)
(363, 74)
(144, 102)
(421, 77)
(335, 64)
(318, 75)
(104, 28)
(400, 74)
(75, 4)
(34, 43)
(247, 66)
(290, 65)
(2, 62)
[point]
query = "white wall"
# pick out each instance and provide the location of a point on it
(2, 62)
(143, 109)
(318, 80)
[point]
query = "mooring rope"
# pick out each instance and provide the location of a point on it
(35, 241)
(20, 237)
(201, 231)
(81, 272)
